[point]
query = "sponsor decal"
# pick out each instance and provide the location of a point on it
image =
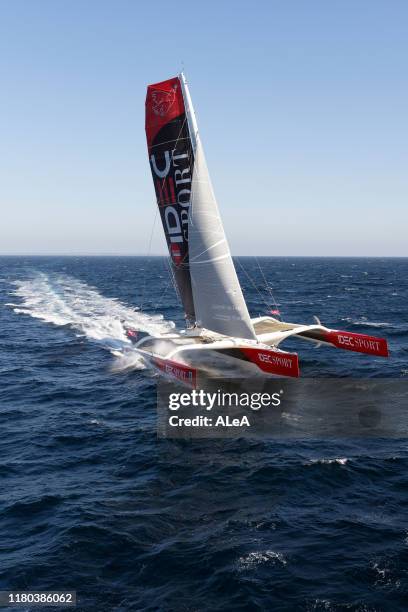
(173, 175)
(162, 101)
(176, 254)
(359, 343)
(177, 370)
(275, 359)
(274, 362)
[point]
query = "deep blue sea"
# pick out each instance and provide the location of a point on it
(91, 500)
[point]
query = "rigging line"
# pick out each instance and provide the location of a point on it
(168, 283)
(148, 255)
(170, 267)
(253, 284)
(268, 287)
(172, 276)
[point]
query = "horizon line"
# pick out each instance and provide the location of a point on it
(113, 254)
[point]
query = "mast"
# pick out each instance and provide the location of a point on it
(191, 118)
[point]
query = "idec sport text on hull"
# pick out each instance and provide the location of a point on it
(173, 190)
(274, 359)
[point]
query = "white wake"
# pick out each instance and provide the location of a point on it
(63, 300)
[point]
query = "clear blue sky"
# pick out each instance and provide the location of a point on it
(302, 107)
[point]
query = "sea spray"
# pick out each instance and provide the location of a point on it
(64, 300)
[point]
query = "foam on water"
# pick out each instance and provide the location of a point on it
(255, 558)
(362, 322)
(63, 300)
(127, 360)
(337, 460)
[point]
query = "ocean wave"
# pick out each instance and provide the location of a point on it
(93, 498)
(32, 506)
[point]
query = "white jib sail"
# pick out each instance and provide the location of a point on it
(218, 300)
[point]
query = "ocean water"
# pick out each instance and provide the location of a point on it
(91, 500)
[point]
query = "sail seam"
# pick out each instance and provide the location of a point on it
(197, 263)
(209, 248)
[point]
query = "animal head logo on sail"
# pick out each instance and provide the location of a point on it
(162, 101)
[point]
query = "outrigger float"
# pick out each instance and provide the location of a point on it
(218, 325)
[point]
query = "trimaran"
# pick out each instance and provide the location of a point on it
(218, 325)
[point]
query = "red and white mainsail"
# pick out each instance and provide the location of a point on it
(202, 263)
(171, 160)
